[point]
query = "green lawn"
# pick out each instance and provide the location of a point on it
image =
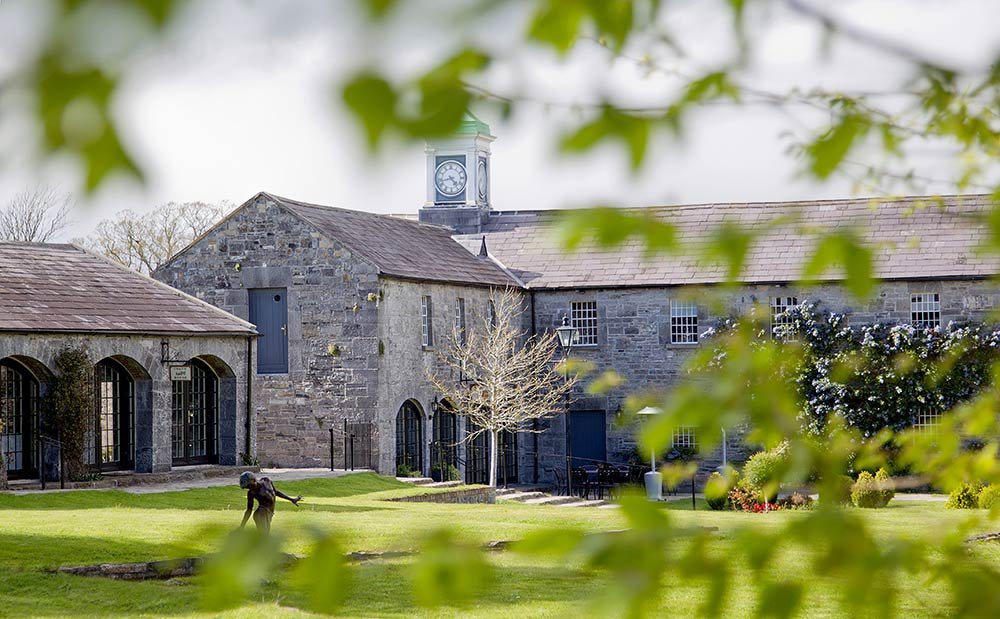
(41, 531)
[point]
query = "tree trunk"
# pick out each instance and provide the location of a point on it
(493, 458)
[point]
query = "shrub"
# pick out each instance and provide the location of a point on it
(744, 497)
(796, 501)
(872, 491)
(404, 470)
(762, 471)
(965, 496)
(448, 472)
(717, 490)
(72, 406)
(838, 492)
(988, 496)
(886, 486)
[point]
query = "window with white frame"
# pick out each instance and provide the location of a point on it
(928, 421)
(426, 321)
(684, 438)
(491, 310)
(925, 310)
(583, 316)
(683, 322)
(460, 319)
(779, 313)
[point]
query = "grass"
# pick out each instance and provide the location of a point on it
(44, 531)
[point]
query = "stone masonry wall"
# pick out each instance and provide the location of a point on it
(634, 337)
(404, 366)
(332, 299)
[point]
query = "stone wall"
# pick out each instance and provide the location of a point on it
(634, 337)
(140, 355)
(405, 364)
(332, 298)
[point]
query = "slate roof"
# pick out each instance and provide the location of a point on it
(62, 288)
(914, 238)
(400, 247)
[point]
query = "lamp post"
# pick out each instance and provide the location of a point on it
(567, 334)
(653, 480)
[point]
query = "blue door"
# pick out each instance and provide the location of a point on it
(269, 313)
(588, 437)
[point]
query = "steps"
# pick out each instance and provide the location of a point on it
(536, 496)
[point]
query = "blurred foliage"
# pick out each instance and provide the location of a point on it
(735, 383)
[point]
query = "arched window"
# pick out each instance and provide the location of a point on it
(195, 416)
(112, 436)
(508, 458)
(19, 417)
(444, 449)
(477, 461)
(409, 444)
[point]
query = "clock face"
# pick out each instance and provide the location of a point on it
(450, 178)
(482, 181)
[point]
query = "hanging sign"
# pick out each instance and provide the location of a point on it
(180, 372)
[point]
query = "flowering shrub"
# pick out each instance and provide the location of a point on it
(744, 497)
(759, 508)
(840, 492)
(880, 376)
(796, 501)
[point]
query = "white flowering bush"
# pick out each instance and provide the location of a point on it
(881, 376)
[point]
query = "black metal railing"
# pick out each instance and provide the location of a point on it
(357, 445)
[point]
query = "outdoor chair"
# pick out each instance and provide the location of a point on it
(560, 480)
(581, 483)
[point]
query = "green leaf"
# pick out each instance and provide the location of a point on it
(323, 576)
(448, 572)
(828, 151)
(379, 9)
(614, 20)
(779, 599)
(608, 380)
(557, 23)
(730, 243)
(843, 249)
(373, 101)
(631, 129)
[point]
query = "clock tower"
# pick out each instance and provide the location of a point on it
(458, 178)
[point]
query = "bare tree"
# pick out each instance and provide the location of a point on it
(35, 215)
(499, 379)
(144, 242)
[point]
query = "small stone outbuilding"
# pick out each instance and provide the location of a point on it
(135, 330)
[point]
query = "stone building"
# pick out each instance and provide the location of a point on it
(367, 293)
(170, 371)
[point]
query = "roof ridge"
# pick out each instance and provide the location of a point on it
(354, 211)
(802, 202)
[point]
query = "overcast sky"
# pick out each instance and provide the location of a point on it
(242, 99)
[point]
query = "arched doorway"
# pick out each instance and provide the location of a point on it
(195, 416)
(409, 444)
(19, 418)
(111, 444)
(477, 455)
(444, 445)
(508, 458)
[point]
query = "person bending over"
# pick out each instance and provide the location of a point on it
(264, 492)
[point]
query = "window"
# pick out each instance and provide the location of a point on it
(426, 320)
(583, 315)
(409, 442)
(684, 438)
(492, 313)
(925, 310)
(928, 421)
(683, 322)
(195, 416)
(460, 319)
(779, 317)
